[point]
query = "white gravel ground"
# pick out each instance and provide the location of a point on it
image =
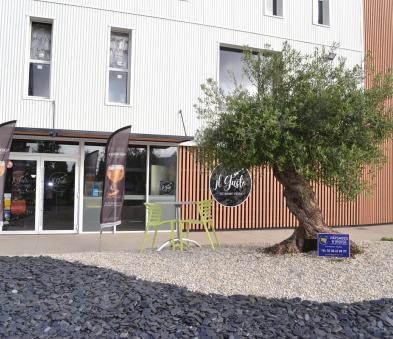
(246, 271)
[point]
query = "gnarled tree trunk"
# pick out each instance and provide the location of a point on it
(301, 201)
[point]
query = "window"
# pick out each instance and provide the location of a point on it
(163, 177)
(119, 67)
(40, 59)
(322, 12)
(274, 8)
(232, 70)
(133, 214)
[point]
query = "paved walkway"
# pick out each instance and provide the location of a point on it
(71, 243)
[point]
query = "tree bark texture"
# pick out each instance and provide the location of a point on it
(301, 201)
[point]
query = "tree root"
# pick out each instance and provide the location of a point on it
(287, 246)
(355, 249)
(297, 243)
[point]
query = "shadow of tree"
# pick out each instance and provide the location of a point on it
(44, 297)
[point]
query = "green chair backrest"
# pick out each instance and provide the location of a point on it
(154, 212)
(205, 208)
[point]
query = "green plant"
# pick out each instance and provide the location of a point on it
(309, 119)
(338, 260)
(387, 239)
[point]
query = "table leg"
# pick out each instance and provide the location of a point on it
(178, 240)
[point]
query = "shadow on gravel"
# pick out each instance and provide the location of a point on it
(42, 297)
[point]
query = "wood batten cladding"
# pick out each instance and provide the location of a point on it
(266, 206)
(378, 39)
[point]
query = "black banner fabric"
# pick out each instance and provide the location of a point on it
(91, 165)
(90, 171)
(6, 133)
(115, 172)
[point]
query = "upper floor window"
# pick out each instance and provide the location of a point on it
(232, 70)
(119, 67)
(322, 12)
(274, 8)
(40, 59)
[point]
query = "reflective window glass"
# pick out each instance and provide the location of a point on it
(274, 7)
(119, 61)
(133, 214)
(40, 59)
(94, 173)
(232, 70)
(163, 175)
(41, 41)
(20, 196)
(39, 78)
(323, 12)
(119, 50)
(45, 146)
(118, 82)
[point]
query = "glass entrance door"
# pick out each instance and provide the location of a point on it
(20, 196)
(59, 198)
(41, 194)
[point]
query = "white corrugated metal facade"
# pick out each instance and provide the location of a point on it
(175, 49)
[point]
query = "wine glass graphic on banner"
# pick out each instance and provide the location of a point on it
(115, 174)
(2, 168)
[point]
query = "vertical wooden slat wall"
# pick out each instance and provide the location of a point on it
(266, 207)
(378, 28)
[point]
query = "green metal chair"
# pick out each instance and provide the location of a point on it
(154, 213)
(205, 211)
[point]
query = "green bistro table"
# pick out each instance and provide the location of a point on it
(178, 239)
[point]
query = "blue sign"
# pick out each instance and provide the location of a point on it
(95, 192)
(333, 245)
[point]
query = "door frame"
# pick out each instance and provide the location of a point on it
(58, 157)
(40, 159)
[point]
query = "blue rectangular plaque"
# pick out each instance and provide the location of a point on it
(333, 245)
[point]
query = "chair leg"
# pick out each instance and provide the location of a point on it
(181, 236)
(215, 235)
(173, 235)
(155, 236)
(145, 236)
(208, 235)
(187, 227)
(188, 230)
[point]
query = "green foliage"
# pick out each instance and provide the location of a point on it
(307, 114)
(339, 260)
(387, 239)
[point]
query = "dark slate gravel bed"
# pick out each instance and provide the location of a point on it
(42, 297)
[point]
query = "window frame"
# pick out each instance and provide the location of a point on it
(28, 60)
(315, 9)
(130, 69)
(235, 48)
(266, 13)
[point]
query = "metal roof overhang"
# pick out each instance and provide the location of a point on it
(59, 133)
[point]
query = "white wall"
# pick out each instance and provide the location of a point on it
(176, 49)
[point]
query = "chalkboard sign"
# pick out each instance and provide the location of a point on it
(333, 245)
(167, 187)
(230, 187)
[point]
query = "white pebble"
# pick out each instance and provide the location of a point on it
(245, 270)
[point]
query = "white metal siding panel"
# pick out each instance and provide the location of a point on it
(176, 49)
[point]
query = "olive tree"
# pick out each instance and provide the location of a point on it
(308, 119)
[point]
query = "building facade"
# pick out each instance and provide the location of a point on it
(73, 71)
